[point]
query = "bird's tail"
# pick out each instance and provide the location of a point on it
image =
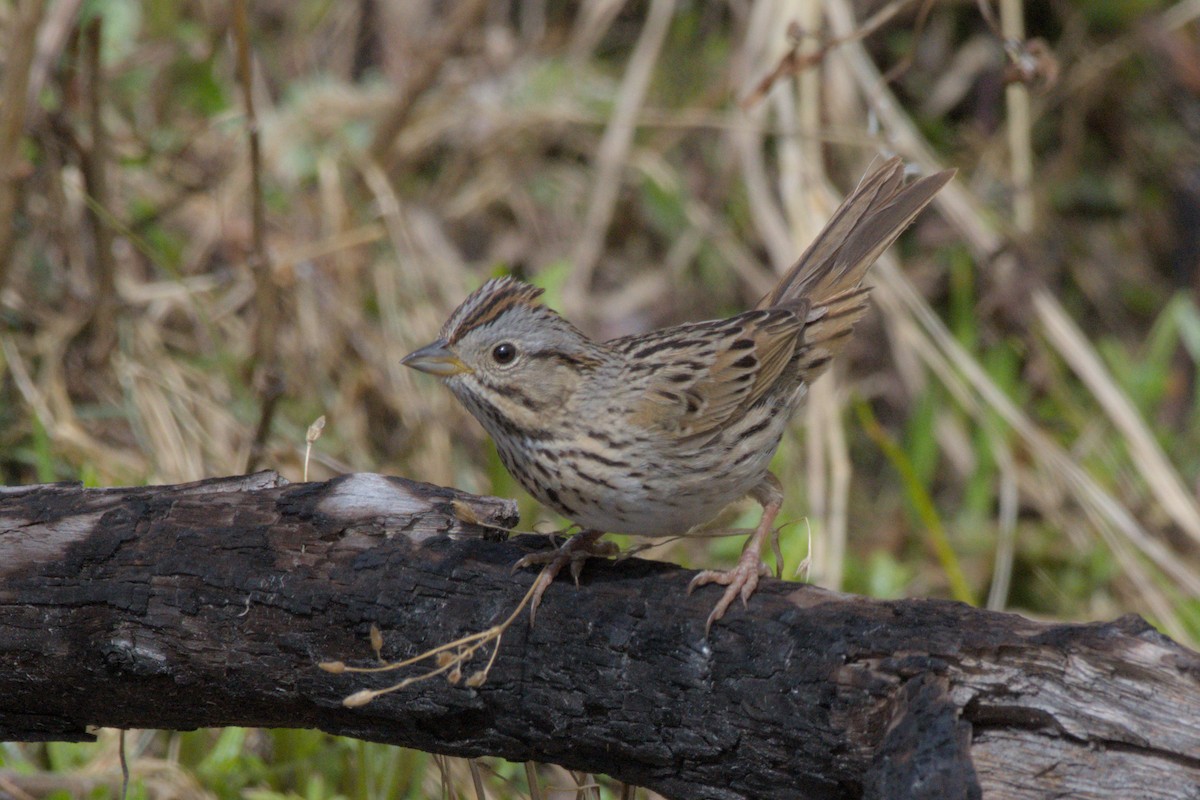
(825, 284)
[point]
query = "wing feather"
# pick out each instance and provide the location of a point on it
(723, 368)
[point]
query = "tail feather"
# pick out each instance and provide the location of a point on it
(826, 280)
(826, 330)
(867, 222)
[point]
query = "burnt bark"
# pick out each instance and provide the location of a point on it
(211, 604)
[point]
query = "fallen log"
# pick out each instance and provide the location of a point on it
(212, 603)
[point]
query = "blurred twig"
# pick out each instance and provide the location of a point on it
(531, 777)
(423, 73)
(614, 147)
(795, 62)
(52, 36)
(1103, 60)
(594, 20)
(1020, 128)
(94, 160)
(267, 379)
(1020, 123)
(26, 17)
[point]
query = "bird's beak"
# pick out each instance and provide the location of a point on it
(436, 358)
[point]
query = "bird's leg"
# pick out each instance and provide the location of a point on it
(742, 580)
(575, 551)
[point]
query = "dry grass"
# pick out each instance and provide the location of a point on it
(1016, 356)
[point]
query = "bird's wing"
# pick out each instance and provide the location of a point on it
(694, 378)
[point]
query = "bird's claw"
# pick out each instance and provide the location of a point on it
(741, 581)
(574, 552)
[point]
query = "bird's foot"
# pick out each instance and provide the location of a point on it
(574, 552)
(741, 581)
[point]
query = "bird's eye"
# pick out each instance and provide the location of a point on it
(504, 353)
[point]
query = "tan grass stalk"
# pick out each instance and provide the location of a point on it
(95, 172)
(613, 153)
(1019, 124)
(531, 777)
(1159, 475)
(268, 378)
(594, 20)
(423, 75)
(26, 17)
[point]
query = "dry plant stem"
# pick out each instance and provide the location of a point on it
(1104, 59)
(25, 18)
(476, 779)
(798, 59)
(613, 150)
(807, 204)
(1020, 122)
(971, 386)
(531, 777)
(1006, 529)
(837, 524)
(95, 166)
(313, 433)
(52, 37)
(960, 207)
(1020, 125)
(124, 765)
(423, 74)
(466, 646)
(591, 24)
(1163, 480)
(265, 360)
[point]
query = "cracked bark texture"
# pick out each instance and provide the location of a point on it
(210, 604)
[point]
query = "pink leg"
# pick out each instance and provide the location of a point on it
(575, 551)
(742, 580)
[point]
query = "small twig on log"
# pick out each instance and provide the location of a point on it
(450, 658)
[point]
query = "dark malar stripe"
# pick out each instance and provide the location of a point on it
(513, 393)
(492, 415)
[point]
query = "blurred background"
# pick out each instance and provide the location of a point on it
(222, 220)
